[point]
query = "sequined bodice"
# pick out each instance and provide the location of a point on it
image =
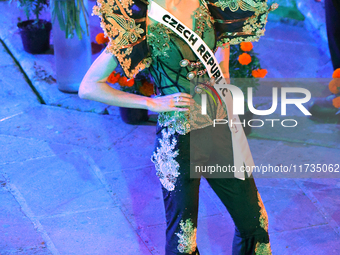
(168, 50)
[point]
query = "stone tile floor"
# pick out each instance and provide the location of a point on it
(77, 182)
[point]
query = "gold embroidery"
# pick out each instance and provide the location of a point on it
(126, 5)
(253, 27)
(263, 249)
(234, 5)
(221, 112)
(187, 237)
(202, 17)
(175, 121)
(135, 43)
(159, 35)
(128, 31)
(142, 65)
(158, 39)
(229, 21)
(122, 31)
(184, 122)
(197, 120)
(263, 217)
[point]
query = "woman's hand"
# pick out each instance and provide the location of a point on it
(174, 102)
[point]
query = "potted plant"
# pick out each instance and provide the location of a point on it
(72, 43)
(70, 15)
(35, 33)
(245, 66)
(142, 84)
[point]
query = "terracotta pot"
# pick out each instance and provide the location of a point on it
(133, 115)
(35, 38)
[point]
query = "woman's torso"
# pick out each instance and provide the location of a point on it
(168, 50)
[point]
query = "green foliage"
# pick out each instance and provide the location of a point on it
(242, 71)
(32, 7)
(241, 75)
(69, 14)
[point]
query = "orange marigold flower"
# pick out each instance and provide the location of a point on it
(334, 86)
(101, 38)
(246, 46)
(124, 82)
(244, 59)
(259, 73)
(336, 73)
(113, 77)
(336, 102)
(146, 89)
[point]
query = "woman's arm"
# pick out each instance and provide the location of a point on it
(222, 56)
(94, 87)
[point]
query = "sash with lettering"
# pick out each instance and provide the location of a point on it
(242, 155)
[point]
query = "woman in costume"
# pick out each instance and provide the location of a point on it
(138, 43)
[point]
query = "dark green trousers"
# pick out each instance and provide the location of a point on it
(332, 8)
(209, 145)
